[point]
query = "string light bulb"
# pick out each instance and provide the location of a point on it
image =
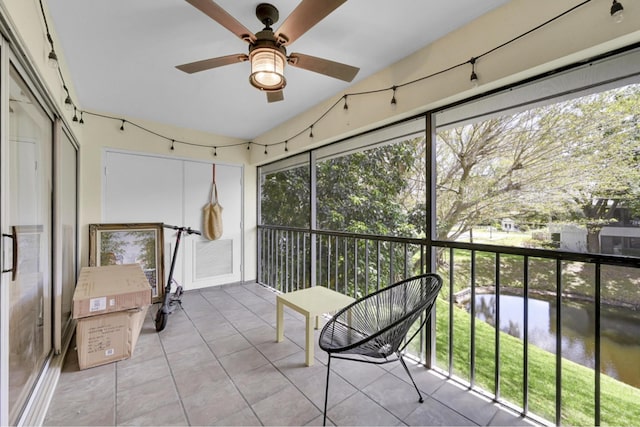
(286, 146)
(311, 131)
(394, 103)
(75, 114)
(215, 151)
(249, 145)
(265, 150)
(68, 103)
(53, 59)
(122, 129)
(346, 106)
(81, 119)
(172, 143)
(617, 11)
(474, 77)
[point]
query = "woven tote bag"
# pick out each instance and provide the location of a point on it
(212, 213)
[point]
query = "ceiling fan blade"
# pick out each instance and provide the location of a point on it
(275, 96)
(222, 17)
(306, 15)
(207, 64)
(333, 69)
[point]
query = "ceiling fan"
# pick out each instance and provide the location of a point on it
(267, 49)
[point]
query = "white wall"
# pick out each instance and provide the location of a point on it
(579, 35)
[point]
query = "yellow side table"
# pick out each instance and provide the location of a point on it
(310, 302)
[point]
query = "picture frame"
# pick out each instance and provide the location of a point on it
(134, 243)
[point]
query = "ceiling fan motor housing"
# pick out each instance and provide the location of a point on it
(267, 14)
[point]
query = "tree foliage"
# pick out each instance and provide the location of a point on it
(604, 131)
(286, 196)
(369, 191)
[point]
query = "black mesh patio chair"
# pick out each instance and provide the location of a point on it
(376, 326)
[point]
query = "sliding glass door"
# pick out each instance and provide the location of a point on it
(27, 238)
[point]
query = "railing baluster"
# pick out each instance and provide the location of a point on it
(337, 268)
(287, 261)
(391, 258)
(451, 308)
(597, 331)
(328, 262)
(525, 361)
(406, 261)
(304, 260)
(378, 265)
(366, 267)
(319, 270)
(345, 264)
(497, 329)
(558, 342)
(355, 268)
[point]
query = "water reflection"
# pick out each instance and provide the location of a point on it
(620, 331)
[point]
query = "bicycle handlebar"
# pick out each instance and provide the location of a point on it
(187, 230)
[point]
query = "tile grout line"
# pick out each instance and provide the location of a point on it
(216, 357)
(173, 379)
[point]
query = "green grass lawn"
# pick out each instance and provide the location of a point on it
(620, 403)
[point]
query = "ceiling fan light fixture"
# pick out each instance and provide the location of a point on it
(267, 69)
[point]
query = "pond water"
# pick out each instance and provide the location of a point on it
(619, 339)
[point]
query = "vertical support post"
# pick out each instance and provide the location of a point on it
(525, 359)
(430, 227)
(497, 329)
(312, 214)
(558, 342)
(597, 344)
(472, 344)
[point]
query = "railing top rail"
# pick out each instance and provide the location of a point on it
(603, 259)
(408, 240)
(618, 260)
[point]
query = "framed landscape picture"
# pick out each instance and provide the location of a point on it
(136, 243)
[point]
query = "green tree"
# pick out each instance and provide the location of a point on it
(604, 132)
(369, 191)
(285, 197)
(495, 168)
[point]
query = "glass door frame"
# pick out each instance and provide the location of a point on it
(59, 333)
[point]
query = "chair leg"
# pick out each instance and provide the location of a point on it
(326, 391)
(404, 365)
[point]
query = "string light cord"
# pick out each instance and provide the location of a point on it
(342, 98)
(159, 135)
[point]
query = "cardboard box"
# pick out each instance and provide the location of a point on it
(108, 337)
(110, 288)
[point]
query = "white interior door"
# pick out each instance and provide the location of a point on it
(146, 188)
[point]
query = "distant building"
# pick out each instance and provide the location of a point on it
(619, 238)
(507, 224)
(569, 237)
(623, 236)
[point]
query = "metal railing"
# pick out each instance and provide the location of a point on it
(356, 264)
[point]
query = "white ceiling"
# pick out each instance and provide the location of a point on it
(122, 54)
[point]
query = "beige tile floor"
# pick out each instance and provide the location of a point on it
(217, 363)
